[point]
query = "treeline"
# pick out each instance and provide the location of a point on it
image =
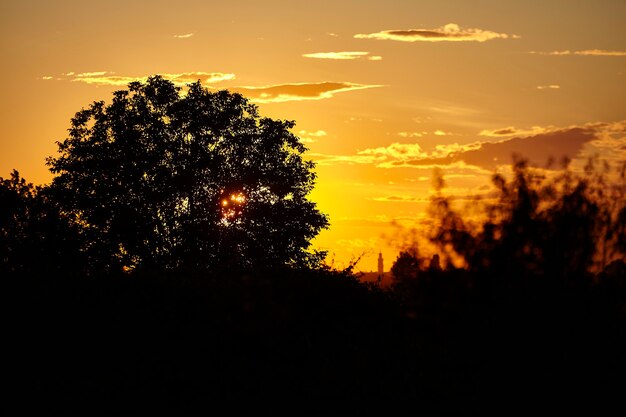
(521, 309)
(526, 297)
(544, 236)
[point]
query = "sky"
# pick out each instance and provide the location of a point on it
(382, 92)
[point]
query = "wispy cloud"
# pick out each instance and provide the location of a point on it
(401, 199)
(396, 151)
(411, 134)
(423, 133)
(538, 149)
(363, 119)
(325, 159)
(262, 94)
(460, 196)
(539, 145)
(358, 244)
(429, 165)
(311, 137)
(513, 131)
(185, 36)
(449, 109)
(299, 91)
(110, 78)
(346, 55)
(317, 134)
(548, 87)
(89, 74)
(587, 52)
(609, 143)
(450, 32)
(205, 77)
(394, 155)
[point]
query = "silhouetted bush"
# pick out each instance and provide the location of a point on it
(34, 234)
(530, 304)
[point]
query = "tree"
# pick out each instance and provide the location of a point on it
(197, 179)
(406, 266)
(34, 236)
(561, 228)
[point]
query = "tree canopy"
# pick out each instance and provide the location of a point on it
(560, 228)
(162, 177)
(34, 235)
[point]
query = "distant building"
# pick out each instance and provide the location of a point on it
(381, 278)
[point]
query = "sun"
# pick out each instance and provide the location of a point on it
(232, 206)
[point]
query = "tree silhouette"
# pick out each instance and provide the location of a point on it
(196, 179)
(34, 235)
(566, 226)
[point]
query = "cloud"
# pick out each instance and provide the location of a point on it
(185, 36)
(356, 244)
(587, 52)
(46, 77)
(393, 155)
(548, 87)
(538, 149)
(298, 92)
(450, 32)
(317, 134)
(411, 134)
(325, 159)
(422, 133)
(410, 151)
(401, 199)
(600, 52)
(461, 196)
(396, 150)
(343, 56)
(538, 145)
(263, 94)
(609, 144)
(451, 110)
(311, 137)
(90, 74)
(458, 166)
(337, 55)
(513, 131)
(363, 119)
(402, 155)
(110, 78)
(205, 77)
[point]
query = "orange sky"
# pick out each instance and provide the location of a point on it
(382, 91)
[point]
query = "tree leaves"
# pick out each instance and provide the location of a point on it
(149, 171)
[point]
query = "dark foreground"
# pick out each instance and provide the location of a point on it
(306, 342)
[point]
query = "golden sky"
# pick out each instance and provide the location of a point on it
(382, 91)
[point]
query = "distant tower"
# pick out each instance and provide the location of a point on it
(381, 269)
